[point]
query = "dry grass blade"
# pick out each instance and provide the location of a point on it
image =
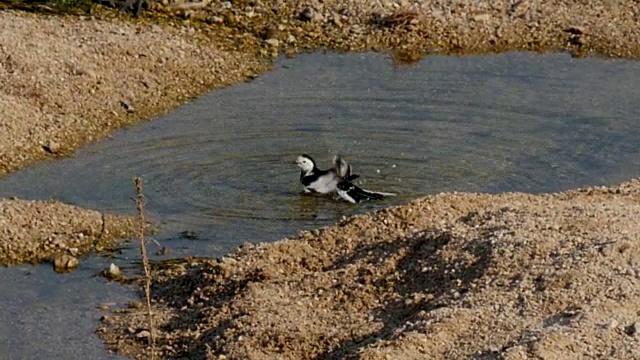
(145, 261)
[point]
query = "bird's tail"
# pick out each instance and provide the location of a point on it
(367, 195)
(355, 194)
(378, 192)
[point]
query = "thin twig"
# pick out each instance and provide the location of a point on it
(145, 262)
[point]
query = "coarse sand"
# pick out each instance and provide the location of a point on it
(450, 276)
(54, 229)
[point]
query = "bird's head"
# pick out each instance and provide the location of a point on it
(306, 163)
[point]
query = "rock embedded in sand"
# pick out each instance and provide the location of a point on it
(306, 14)
(64, 262)
(633, 329)
(143, 334)
(113, 272)
(273, 42)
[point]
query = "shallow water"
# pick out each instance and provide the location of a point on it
(222, 166)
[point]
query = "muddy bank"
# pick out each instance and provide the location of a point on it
(451, 276)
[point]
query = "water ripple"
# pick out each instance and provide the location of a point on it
(223, 164)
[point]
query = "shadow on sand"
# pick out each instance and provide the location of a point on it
(431, 270)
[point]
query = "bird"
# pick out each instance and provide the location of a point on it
(337, 179)
(323, 181)
(355, 194)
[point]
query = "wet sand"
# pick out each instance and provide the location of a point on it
(551, 276)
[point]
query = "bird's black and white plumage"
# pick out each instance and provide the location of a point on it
(337, 179)
(323, 181)
(355, 194)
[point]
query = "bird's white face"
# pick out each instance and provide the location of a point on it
(305, 163)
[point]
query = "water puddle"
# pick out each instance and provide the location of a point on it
(47, 316)
(222, 166)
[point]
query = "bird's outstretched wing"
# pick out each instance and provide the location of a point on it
(343, 169)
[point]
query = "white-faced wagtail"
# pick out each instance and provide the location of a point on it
(323, 181)
(338, 179)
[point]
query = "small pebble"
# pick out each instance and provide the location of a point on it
(126, 105)
(306, 14)
(143, 334)
(225, 5)
(481, 17)
(135, 305)
(633, 329)
(65, 262)
(273, 42)
(214, 20)
(113, 272)
(51, 147)
(106, 306)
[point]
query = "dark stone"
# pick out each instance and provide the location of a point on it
(306, 14)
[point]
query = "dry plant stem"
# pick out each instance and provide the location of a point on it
(145, 261)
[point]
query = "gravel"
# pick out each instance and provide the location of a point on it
(450, 276)
(35, 231)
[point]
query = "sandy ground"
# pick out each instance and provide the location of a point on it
(34, 231)
(453, 276)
